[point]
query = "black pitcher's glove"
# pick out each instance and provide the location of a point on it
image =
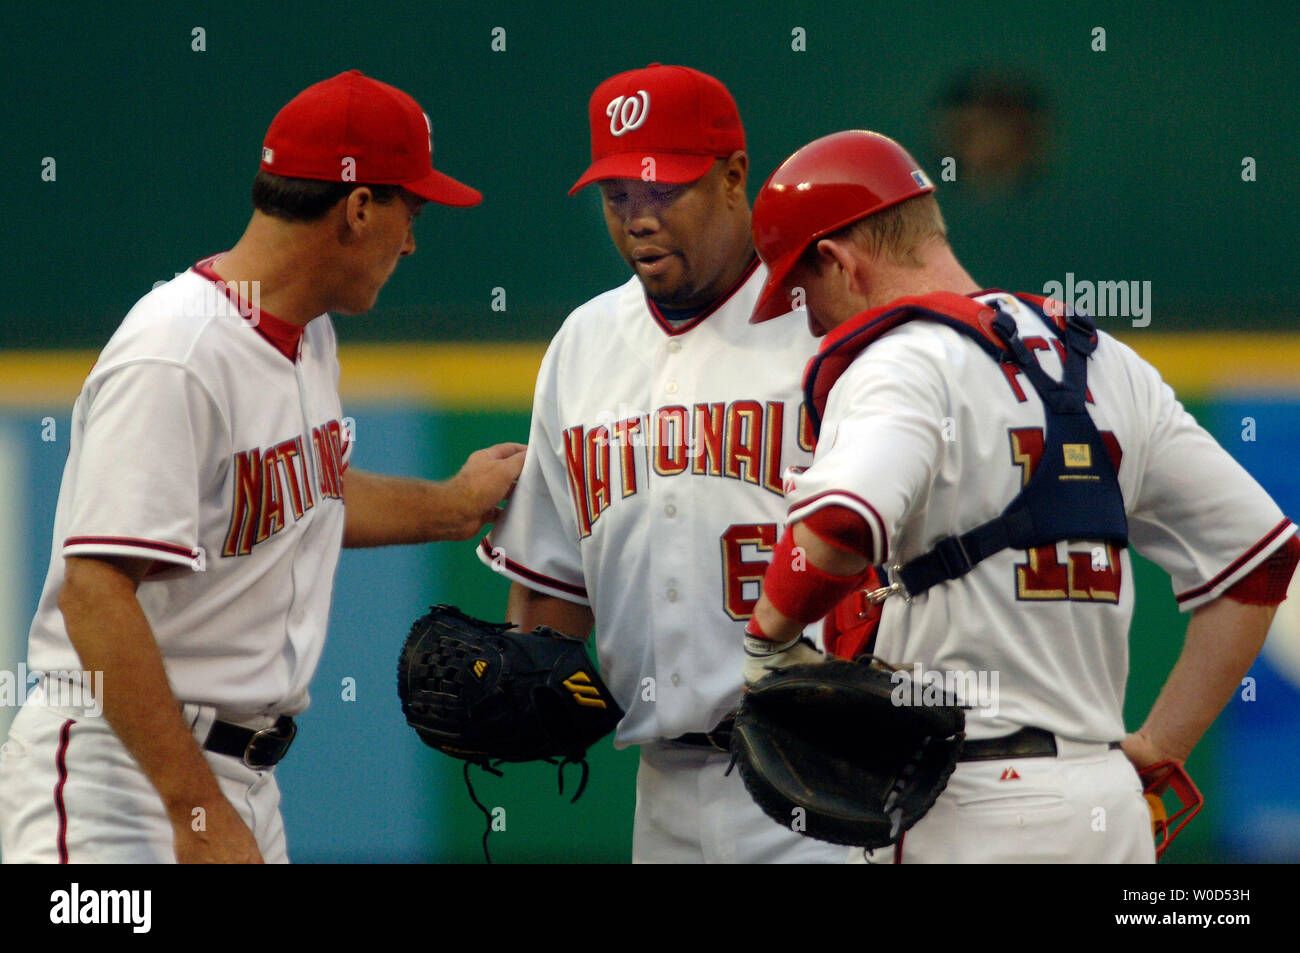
(478, 691)
(832, 749)
(485, 694)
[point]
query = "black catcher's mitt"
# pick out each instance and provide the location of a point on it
(825, 750)
(480, 692)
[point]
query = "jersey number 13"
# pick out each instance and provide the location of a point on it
(1090, 574)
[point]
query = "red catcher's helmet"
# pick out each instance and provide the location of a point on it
(829, 183)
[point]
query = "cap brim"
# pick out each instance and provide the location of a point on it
(443, 189)
(671, 167)
(774, 299)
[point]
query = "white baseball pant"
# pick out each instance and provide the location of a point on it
(1083, 806)
(688, 811)
(70, 792)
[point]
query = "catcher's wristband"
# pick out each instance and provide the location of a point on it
(759, 645)
(799, 590)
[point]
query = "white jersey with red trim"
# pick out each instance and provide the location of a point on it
(925, 436)
(213, 444)
(652, 492)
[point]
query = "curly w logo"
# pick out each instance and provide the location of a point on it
(628, 112)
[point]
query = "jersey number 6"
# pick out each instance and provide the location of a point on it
(737, 570)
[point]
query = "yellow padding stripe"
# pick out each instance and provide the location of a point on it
(469, 376)
(1201, 364)
(459, 376)
(501, 376)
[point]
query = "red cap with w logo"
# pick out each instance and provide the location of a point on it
(660, 124)
(354, 128)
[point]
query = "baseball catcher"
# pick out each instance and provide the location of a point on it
(834, 750)
(486, 694)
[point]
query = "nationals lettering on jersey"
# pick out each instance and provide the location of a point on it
(653, 494)
(242, 429)
(735, 440)
(269, 484)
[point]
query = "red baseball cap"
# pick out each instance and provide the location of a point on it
(828, 184)
(354, 128)
(679, 117)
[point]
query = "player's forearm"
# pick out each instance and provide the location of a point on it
(527, 608)
(1223, 639)
(109, 630)
(818, 554)
(386, 510)
(775, 626)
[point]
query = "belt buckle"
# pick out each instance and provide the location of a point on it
(274, 740)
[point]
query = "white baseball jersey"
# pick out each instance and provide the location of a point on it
(925, 436)
(652, 492)
(214, 446)
(208, 438)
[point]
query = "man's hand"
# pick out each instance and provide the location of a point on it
(762, 655)
(223, 837)
(1142, 751)
(485, 480)
(389, 511)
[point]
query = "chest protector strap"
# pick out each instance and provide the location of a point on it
(1073, 493)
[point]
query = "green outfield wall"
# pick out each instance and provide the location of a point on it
(1143, 142)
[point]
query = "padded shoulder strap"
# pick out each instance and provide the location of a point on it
(1074, 491)
(963, 314)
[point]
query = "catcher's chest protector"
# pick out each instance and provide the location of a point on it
(1074, 492)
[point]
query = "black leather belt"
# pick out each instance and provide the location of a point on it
(719, 738)
(257, 748)
(1028, 742)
